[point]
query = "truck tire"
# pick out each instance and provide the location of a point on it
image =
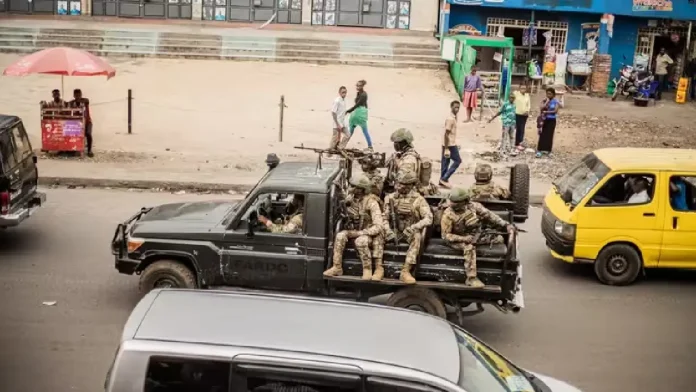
(618, 265)
(418, 299)
(166, 274)
(519, 188)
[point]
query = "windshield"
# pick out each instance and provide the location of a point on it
(482, 370)
(579, 181)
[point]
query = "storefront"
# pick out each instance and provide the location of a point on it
(42, 7)
(390, 14)
(639, 29)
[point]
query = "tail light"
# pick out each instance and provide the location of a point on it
(4, 203)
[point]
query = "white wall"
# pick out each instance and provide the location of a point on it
(424, 15)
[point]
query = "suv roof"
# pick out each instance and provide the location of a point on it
(302, 176)
(317, 326)
(6, 121)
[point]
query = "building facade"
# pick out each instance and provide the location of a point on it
(639, 29)
(419, 15)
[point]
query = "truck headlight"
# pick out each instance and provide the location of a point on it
(134, 244)
(565, 230)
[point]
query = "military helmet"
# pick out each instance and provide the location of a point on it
(408, 178)
(402, 135)
(369, 159)
(459, 195)
(483, 172)
(361, 182)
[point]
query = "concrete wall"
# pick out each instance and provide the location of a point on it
(681, 9)
(424, 14)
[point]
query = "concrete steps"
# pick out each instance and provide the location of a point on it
(225, 47)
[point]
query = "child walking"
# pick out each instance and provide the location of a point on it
(508, 118)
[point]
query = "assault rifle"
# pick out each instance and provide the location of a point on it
(348, 155)
(394, 222)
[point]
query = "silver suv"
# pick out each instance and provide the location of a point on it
(218, 341)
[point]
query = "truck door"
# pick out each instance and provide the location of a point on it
(261, 259)
(678, 245)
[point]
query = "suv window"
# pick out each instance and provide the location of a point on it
(261, 378)
(285, 212)
(8, 160)
(625, 190)
(682, 193)
(21, 142)
(187, 375)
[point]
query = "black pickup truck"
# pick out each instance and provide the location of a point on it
(19, 175)
(219, 243)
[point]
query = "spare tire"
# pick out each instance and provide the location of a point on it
(519, 188)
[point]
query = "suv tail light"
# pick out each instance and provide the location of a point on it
(4, 203)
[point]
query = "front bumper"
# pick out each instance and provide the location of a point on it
(119, 245)
(558, 245)
(23, 213)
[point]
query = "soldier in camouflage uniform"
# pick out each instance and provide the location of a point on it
(406, 159)
(485, 188)
(369, 166)
(294, 220)
(461, 227)
(407, 213)
(365, 226)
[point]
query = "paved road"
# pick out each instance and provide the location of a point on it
(599, 338)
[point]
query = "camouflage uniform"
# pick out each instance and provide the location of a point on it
(407, 160)
(459, 226)
(413, 214)
(485, 188)
(365, 226)
(291, 226)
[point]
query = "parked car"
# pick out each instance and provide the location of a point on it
(205, 341)
(219, 243)
(19, 175)
(625, 210)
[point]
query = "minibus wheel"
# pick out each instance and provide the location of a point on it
(618, 265)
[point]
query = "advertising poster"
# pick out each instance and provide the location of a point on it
(652, 5)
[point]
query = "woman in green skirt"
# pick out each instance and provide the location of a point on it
(358, 113)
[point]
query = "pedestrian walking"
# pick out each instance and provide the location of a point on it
(547, 123)
(450, 159)
(508, 118)
(472, 85)
(340, 135)
(80, 101)
(523, 105)
(358, 113)
(662, 64)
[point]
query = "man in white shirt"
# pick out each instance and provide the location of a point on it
(662, 64)
(340, 136)
(640, 192)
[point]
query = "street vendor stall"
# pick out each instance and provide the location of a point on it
(491, 56)
(62, 128)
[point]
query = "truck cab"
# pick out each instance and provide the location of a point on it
(221, 243)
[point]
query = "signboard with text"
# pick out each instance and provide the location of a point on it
(652, 5)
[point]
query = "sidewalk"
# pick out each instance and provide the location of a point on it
(134, 175)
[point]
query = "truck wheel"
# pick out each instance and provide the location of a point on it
(166, 274)
(418, 299)
(519, 188)
(618, 265)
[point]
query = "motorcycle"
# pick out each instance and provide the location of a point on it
(625, 83)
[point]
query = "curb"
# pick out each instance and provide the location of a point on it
(173, 186)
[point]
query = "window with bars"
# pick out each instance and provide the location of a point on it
(559, 30)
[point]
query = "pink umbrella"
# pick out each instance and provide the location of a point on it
(61, 61)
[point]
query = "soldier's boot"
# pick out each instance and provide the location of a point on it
(367, 269)
(406, 276)
(474, 283)
(379, 270)
(336, 269)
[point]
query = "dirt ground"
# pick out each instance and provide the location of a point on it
(588, 123)
(224, 116)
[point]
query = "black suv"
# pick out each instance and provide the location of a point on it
(18, 174)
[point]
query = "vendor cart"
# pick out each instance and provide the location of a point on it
(63, 129)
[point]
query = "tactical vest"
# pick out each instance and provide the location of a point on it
(404, 208)
(424, 167)
(467, 221)
(483, 191)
